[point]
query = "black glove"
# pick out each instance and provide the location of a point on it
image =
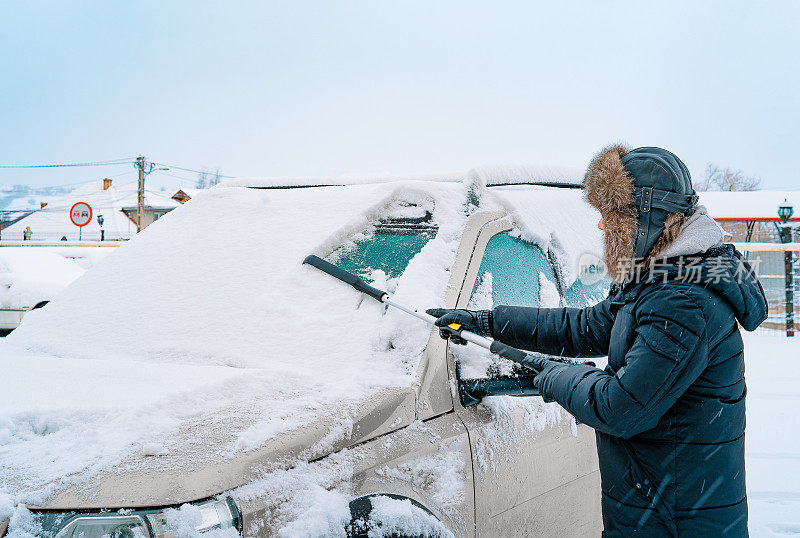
(474, 321)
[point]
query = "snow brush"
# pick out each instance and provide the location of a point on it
(518, 356)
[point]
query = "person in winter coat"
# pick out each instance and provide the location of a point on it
(669, 409)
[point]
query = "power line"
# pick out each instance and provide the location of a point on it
(113, 162)
(184, 179)
(195, 171)
(76, 183)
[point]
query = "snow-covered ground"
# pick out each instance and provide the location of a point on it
(773, 434)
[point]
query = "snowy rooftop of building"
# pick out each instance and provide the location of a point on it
(749, 205)
(52, 222)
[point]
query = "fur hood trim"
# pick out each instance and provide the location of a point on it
(608, 187)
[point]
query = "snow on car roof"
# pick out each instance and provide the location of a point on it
(210, 307)
(485, 175)
(556, 219)
(528, 174)
(343, 179)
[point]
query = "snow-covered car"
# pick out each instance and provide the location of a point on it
(209, 383)
(29, 278)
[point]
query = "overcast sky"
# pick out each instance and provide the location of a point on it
(325, 88)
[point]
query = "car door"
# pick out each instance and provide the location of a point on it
(535, 469)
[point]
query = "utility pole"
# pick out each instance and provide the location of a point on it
(145, 168)
(140, 164)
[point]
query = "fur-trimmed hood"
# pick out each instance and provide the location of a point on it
(645, 196)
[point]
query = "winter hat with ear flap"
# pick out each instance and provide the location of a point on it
(644, 196)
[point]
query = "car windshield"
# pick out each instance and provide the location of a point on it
(389, 247)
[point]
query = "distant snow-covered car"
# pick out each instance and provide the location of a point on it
(213, 384)
(29, 278)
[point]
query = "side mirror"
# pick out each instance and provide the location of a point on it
(472, 391)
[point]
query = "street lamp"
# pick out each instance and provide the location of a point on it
(785, 212)
(100, 221)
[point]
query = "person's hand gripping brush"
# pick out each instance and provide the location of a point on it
(450, 322)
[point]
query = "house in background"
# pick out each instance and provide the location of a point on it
(750, 215)
(116, 203)
(184, 195)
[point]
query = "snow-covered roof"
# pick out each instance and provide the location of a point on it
(749, 205)
(23, 203)
(231, 325)
(52, 222)
(191, 193)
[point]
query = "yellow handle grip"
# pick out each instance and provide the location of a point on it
(455, 326)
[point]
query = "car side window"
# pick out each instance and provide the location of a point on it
(581, 295)
(591, 285)
(512, 272)
(517, 272)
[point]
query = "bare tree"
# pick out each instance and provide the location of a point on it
(726, 179)
(206, 179)
(216, 177)
(203, 179)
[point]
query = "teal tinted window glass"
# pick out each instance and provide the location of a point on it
(580, 295)
(515, 266)
(387, 252)
(592, 283)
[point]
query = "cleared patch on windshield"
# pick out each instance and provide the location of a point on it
(390, 244)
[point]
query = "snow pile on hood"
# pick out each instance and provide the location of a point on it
(210, 308)
(221, 282)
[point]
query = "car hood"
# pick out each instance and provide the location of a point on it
(28, 275)
(105, 440)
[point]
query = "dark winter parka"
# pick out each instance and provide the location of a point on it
(669, 409)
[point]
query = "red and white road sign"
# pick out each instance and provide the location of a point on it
(80, 214)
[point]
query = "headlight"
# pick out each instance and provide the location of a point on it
(99, 525)
(217, 514)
